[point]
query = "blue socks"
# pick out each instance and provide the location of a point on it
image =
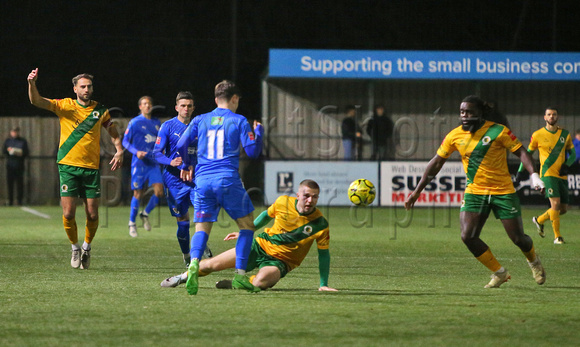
(243, 248)
(134, 209)
(152, 203)
(183, 236)
(198, 244)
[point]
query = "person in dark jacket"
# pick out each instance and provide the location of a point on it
(16, 150)
(351, 133)
(380, 129)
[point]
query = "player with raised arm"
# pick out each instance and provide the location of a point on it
(139, 139)
(78, 157)
(179, 193)
(219, 135)
(482, 145)
(281, 248)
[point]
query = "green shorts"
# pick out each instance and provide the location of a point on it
(259, 258)
(79, 182)
(556, 188)
(505, 206)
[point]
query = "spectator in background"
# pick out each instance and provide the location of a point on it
(16, 150)
(351, 133)
(380, 129)
(576, 142)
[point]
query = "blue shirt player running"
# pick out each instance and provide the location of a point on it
(219, 135)
(139, 139)
(179, 193)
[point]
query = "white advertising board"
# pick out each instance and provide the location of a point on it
(399, 179)
(283, 178)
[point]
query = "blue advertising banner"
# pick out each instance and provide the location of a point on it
(304, 63)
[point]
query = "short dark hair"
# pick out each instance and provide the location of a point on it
(476, 100)
(551, 108)
(143, 98)
(83, 75)
(349, 108)
(310, 184)
(225, 90)
(184, 95)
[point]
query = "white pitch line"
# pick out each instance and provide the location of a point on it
(35, 212)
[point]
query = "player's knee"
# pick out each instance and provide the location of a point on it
(262, 283)
(68, 215)
(93, 216)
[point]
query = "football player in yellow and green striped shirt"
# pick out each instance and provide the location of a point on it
(553, 144)
(78, 157)
(281, 248)
(482, 145)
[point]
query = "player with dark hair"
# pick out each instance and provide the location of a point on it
(219, 135)
(78, 157)
(139, 139)
(281, 248)
(179, 193)
(554, 144)
(482, 145)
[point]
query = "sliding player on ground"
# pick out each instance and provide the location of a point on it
(281, 248)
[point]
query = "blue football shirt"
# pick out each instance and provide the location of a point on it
(219, 135)
(169, 134)
(140, 135)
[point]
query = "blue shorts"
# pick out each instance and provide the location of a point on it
(212, 193)
(142, 174)
(178, 200)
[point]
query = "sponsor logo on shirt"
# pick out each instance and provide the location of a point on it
(150, 138)
(158, 140)
(251, 136)
(511, 135)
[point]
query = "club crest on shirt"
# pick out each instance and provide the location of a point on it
(486, 140)
(64, 188)
(96, 114)
(217, 120)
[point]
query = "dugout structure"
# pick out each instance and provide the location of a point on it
(305, 91)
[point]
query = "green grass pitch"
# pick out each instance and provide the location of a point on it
(403, 281)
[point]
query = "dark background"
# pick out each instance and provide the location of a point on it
(158, 48)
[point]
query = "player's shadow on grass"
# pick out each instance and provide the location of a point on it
(372, 292)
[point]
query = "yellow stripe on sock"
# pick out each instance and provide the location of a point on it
(555, 218)
(70, 227)
(488, 259)
(531, 254)
(91, 229)
(544, 217)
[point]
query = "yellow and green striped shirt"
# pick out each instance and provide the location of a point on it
(483, 155)
(552, 147)
(292, 234)
(80, 132)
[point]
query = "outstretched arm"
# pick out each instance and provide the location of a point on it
(33, 94)
(324, 270)
(431, 171)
